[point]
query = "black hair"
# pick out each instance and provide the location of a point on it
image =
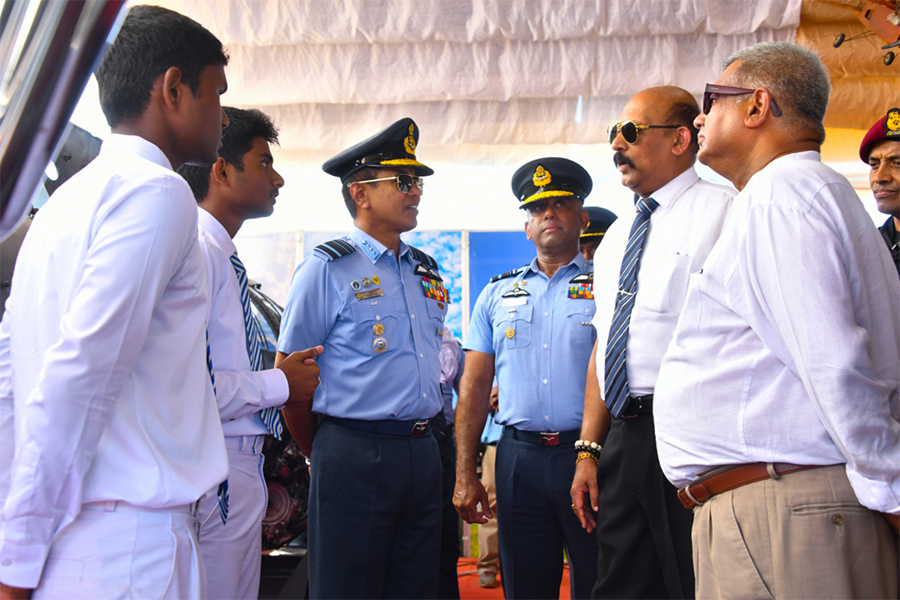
(237, 140)
(152, 40)
(361, 175)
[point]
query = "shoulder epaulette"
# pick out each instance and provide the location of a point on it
(335, 249)
(422, 257)
(510, 273)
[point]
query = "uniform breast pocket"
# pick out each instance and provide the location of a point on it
(377, 326)
(437, 311)
(514, 328)
(665, 292)
(578, 321)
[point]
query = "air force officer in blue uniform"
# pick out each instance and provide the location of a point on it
(533, 326)
(378, 308)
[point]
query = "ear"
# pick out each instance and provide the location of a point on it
(219, 172)
(173, 87)
(359, 195)
(528, 230)
(585, 219)
(682, 141)
(759, 109)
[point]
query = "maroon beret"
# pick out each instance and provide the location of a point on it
(887, 128)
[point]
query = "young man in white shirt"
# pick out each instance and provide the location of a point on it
(241, 185)
(117, 432)
(777, 410)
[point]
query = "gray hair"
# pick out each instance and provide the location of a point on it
(796, 78)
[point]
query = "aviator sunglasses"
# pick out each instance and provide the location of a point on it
(404, 182)
(629, 130)
(713, 92)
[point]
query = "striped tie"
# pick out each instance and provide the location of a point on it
(222, 493)
(616, 373)
(271, 418)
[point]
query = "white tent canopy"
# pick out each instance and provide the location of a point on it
(491, 83)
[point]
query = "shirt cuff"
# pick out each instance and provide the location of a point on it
(277, 388)
(873, 494)
(21, 565)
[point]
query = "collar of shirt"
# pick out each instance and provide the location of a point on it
(578, 260)
(669, 193)
(211, 225)
(118, 144)
(371, 247)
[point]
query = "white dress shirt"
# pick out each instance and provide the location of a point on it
(683, 229)
(788, 348)
(107, 324)
(240, 392)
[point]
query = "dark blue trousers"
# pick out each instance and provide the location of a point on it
(374, 515)
(535, 521)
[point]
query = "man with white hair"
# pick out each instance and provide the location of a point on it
(777, 408)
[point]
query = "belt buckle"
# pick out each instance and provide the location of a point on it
(419, 428)
(549, 438)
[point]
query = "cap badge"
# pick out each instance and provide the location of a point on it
(410, 141)
(541, 177)
(892, 123)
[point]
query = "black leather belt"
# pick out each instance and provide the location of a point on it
(544, 438)
(419, 428)
(637, 406)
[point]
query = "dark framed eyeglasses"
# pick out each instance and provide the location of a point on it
(404, 182)
(629, 130)
(714, 92)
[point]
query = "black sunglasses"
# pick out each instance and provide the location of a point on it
(629, 130)
(404, 182)
(713, 92)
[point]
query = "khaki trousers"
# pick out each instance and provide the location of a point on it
(488, 546)
(801, 536)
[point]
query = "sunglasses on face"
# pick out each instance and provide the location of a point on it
(714, 92)
(629, 130)
(404, 182)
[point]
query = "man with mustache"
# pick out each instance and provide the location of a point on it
(533, 327)
(642, 275)
(880, 148)
(242, 184)
(779, 397)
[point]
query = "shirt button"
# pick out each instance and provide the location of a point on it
(377, 317)
(545, 381)
(412, 316)
(424, 395)
(390, 252)
(545, 346)
(551, 285)
(421, 355)
(546, 314)
(837, 519)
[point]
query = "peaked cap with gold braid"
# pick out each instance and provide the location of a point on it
(550, 178)
(392, 147)
(599, 221)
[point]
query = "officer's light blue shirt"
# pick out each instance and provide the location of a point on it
(541, 339)
(357, 381)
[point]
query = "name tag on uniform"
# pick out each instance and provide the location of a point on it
(513, 302)
(360, 296)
